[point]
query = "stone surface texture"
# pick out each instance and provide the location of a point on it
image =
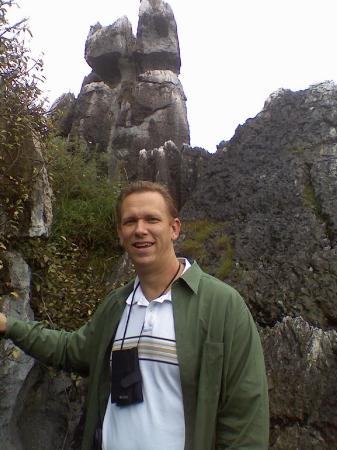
(62, 113)
(273, 189)
(15, 365)
(302, 365)
(271, 193)
(177, 169)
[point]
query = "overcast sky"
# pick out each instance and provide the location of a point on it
(234, 53)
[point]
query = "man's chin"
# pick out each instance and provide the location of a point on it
(142, 260)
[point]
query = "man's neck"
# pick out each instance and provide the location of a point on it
(156, 283)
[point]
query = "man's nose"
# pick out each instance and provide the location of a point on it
(140, 227)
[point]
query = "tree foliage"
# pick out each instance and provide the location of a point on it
(85, 199)
(71, 267)
(21, 107)
(22, 119)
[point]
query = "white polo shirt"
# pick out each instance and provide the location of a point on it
(158, 422)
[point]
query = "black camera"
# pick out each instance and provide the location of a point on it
(126, 378)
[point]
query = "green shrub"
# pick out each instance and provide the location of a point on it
(84, 207)
(224, 245)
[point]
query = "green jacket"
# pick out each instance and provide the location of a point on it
(219, 352)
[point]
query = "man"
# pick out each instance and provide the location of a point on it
(187, 370)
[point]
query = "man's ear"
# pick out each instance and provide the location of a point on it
(121, 241)
(176, 225)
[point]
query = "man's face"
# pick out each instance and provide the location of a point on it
(147, 230)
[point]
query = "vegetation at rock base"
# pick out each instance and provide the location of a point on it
(225, 247)
(296, 149)
(21, 117)
(206, 242)
(310, 199)
(70, 269)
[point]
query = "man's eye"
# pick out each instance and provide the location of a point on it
(153, 219)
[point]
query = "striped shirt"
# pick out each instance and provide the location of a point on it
(157, 422)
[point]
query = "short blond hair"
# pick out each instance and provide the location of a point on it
(146, 186)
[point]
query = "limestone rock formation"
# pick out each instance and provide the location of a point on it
(157, 46)
(29, 166)
(302, 365)
(266, 188)
(15, 365)
(133, 99)
(41, 215)
(62, 113)
(177, 169)
(268, 200)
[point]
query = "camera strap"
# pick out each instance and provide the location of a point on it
(132, 300)
(126, 377)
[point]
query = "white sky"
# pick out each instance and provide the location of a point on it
(234, 53)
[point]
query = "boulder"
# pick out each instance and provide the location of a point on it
(33, 196)
(108, 49)
(62, 113)
(133, 99)
(15, 365)
(157, 46)
(301, 365)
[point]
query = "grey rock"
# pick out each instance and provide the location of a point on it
(40, 409)
(272, 187)
(95, 116)
(157, 45)
(62, 113)
(15, 364)
(107, 47)
(133, 99)
(35, 192)
(41, 214)
(48, 411)
(301, 364)
(178, 169)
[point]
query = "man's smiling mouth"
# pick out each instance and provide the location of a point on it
(142, 244)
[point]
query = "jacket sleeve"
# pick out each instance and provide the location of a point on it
(60, 349)
(243, 414)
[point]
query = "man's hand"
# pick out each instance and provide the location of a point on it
(3, 323)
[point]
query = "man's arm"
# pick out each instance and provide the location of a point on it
(60, 349)
(243, 415)
(3, 323)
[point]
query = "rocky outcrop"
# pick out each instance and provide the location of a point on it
(265, 209)
(157, 46)
(302, 365)
(35, 204)
(62, 113)
(41, 215)
(133, 100)
(178, 169)
(271, 188)
(15, 365)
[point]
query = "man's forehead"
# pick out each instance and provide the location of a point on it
(146, 201)
(146, 197)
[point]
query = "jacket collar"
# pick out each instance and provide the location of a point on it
(192, 277)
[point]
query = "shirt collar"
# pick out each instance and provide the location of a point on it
(139, 297)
